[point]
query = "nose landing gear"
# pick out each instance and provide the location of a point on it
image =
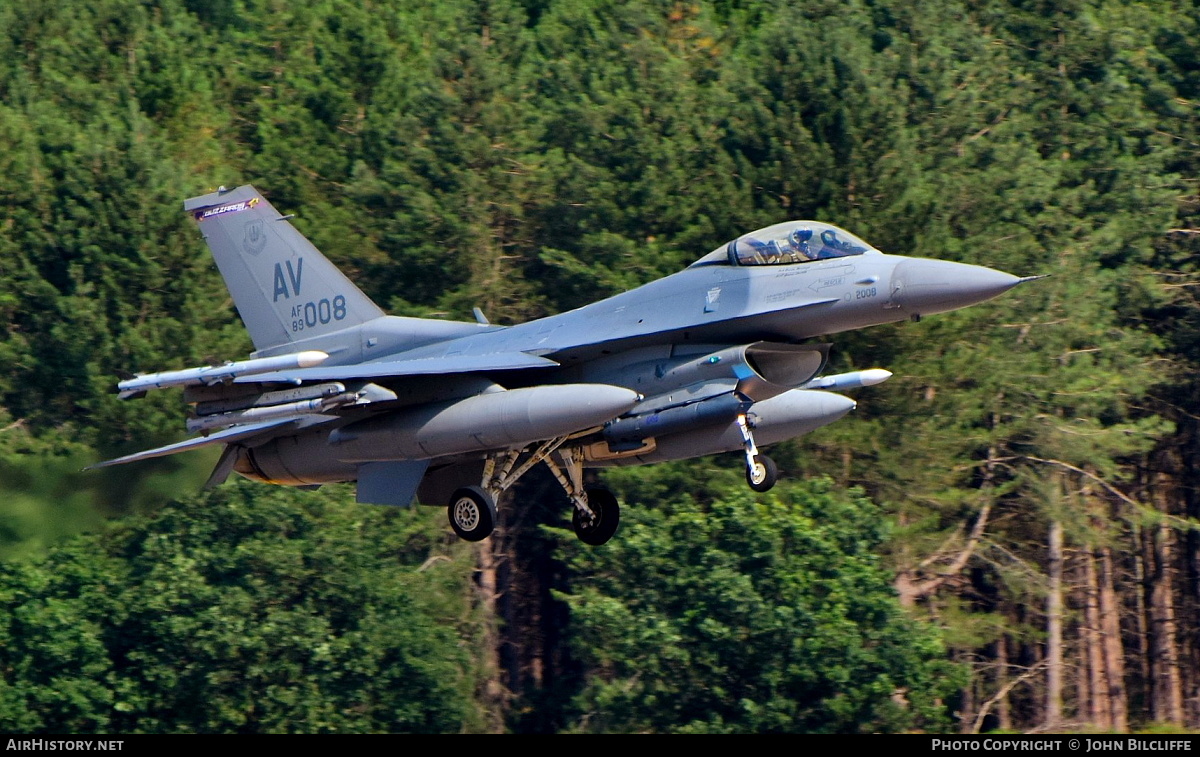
(761, 471)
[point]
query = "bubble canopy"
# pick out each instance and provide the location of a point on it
(787, 244)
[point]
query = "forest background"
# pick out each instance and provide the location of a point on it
(1002, 536)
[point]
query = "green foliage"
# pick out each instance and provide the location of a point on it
(244, 611)
(751, 616)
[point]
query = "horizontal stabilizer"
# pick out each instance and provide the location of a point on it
(502, 361)
(228, 436)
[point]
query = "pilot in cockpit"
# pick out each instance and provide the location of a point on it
(792, 248)
(792, 242)
(798, 243)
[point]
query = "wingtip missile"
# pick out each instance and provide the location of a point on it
(210, 374)
(310, 358)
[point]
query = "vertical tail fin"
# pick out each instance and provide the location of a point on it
(284, 289)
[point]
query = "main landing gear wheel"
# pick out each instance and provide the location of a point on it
(761, 473)
(596, 512)
(472, 513)
(603, 504)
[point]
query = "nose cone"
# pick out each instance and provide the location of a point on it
(923, 287)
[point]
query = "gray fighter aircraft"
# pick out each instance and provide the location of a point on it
(714, 358)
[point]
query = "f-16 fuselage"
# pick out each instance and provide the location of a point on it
(711, 359)
(710, 302)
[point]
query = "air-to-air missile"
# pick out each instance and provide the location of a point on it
(215, 374)
(271, 412)
(852, 380)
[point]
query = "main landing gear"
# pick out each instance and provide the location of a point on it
(596, 512)
(761, 471)
(472, 509)
(606, 515)
(472, 513)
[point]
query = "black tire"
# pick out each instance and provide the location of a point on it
(608, 517)
(472, 513)
(763, 474)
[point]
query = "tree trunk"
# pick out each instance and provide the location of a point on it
(1003, 712)
(1054, 621)
(966, 709)
(1083, 687)
(1114, 661)
(495, 693)
(1098, 710)
(1167, 689)
(1143, 568)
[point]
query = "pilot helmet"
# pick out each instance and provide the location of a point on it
(800, 236)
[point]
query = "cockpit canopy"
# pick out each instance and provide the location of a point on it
(788, 243)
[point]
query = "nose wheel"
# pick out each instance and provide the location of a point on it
(472, 512)
(761, 471)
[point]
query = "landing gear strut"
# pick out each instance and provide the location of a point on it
(761, 471)
(596, 513)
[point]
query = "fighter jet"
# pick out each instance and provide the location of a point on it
(718, 357)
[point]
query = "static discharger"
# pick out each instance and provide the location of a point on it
(215, 374)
